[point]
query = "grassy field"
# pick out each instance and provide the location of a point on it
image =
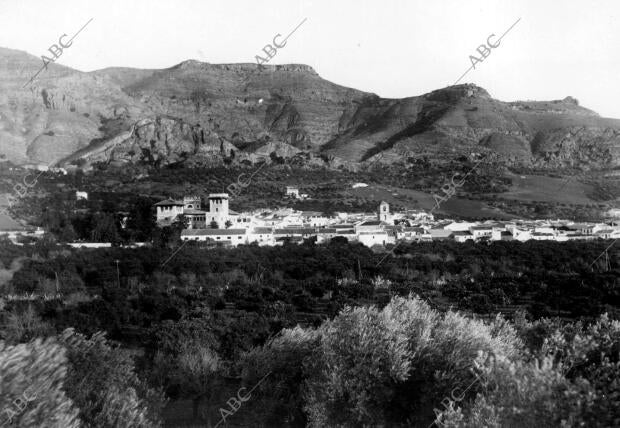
(413, 199)
(548, 189)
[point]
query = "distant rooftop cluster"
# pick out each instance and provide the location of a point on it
(273, 227)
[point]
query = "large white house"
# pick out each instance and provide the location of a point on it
(376, 238)
(229, 237)
(191, 207)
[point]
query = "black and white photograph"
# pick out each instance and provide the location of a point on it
(309, 213)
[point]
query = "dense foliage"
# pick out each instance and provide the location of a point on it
(409, 365)
(196, 327)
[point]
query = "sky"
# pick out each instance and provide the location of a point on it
(392, 48)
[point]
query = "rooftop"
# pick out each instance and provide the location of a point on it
(191, 211)
(311, 213)
(346, 232)
(261, 230)
(372, 223)
(212, 232)
(580, 226)
(299, 231)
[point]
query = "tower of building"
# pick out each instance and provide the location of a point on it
(192, 202)
(384, 211)
(218, 209)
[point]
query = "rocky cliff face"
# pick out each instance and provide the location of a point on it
(200, 112)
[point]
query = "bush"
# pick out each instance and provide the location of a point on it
(23, 326)
(102, 383)
(381, 367)
(33, 375)
(282, 360)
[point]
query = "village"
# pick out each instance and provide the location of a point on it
(218, 224)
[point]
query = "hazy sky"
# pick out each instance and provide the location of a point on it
(392, 48)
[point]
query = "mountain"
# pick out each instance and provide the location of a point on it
(196, 112)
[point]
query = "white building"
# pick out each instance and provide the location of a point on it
(262, 236)
(410, 233)
(439, 233)
(292, 192)
(370, 226)
(479, 232)
(543, 236)
(583, 228)
(192, 210)
(462, 236)
(191, 207)
(314, 219)
(228, 237)
(168, 210)
(522, 235)
(459, 226)
(375, 238)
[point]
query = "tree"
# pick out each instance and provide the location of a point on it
(197, 370)
(180, 222)
(358, 353)
(214, 225)
(386, 367)
(520, 393)
(184, 358)
(178, 225)
(228, 224)
(32, 386)
(164, 237)
(66, 233)
(102, 383)
(25, 325)
(141, 219)
(105, 229)
(283, 359)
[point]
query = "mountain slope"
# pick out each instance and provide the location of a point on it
(197, 112)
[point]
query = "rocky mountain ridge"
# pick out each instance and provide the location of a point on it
(197, 112)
